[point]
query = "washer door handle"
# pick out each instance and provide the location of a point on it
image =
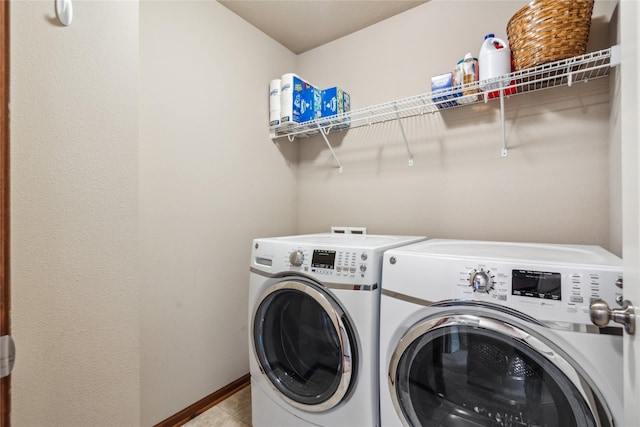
(601, 315)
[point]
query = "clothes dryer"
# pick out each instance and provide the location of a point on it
(499, 334)
(314, 303)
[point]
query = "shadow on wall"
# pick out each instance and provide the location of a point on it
(316, 146)
(53, 20)
(465, 133)
(288, 150)
(599, 34)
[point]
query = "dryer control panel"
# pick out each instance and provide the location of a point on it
(346, 259)
(342, 264)
(329, 262)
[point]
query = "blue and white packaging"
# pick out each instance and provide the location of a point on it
(442, 90)
(291, 90)
(311, 104)
(336, 101)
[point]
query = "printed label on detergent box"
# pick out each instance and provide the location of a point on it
(291, 97)
(311, 104)
(335, 101)
(332, 102)
(443, 85)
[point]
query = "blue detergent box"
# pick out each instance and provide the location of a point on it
(336, 101)
(311, 104)
(442, 90)
(291, 95)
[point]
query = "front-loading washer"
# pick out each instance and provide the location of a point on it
(314, 303)
(499, 334)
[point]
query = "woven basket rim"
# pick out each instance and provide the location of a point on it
(548, 30)
(546, 3)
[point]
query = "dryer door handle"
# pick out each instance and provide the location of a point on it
(601, 315)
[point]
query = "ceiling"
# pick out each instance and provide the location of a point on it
(301, 25)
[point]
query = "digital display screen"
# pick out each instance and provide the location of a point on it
(323, 259)
(536, 284)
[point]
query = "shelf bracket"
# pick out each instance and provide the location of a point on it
(565, 72)
(333, 153)
(504, 132)
(615, 55)
(406, 144)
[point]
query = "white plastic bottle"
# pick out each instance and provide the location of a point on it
(494, 61)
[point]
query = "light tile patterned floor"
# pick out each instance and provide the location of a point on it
(234, 411)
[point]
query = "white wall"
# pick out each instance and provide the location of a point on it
(211, 180)
(630, 135)
(74, 165)
(552, 187)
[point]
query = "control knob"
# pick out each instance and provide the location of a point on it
(481, 281)
(296, 258)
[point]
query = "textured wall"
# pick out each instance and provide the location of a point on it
(211, 180)
(202, 179)
(74, 161)
(552, 187)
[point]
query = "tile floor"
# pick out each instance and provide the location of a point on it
(234, 411)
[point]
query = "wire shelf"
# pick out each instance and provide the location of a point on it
(565, 72)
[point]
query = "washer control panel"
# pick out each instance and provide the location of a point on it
(550, 282)
(538, 290)
(481, 280)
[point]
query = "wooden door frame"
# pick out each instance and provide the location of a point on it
(5, 302)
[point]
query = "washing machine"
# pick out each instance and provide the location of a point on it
(314, 303)
(499, 334)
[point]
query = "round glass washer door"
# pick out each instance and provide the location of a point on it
(470, 370)
(305, 344)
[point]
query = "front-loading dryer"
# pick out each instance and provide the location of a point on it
(314, 303)
(498, 334)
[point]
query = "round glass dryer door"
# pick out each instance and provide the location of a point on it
(472, 371)
(305, 344)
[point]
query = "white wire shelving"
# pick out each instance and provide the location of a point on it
(565, 72)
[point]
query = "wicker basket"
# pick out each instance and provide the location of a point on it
(549, 30)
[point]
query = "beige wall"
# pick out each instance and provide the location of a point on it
(74, 165)
(110, 336)
(211, 180)
(552, 187)
(615, 149)
(107, 336)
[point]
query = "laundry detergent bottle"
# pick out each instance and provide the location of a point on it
(494, 61)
